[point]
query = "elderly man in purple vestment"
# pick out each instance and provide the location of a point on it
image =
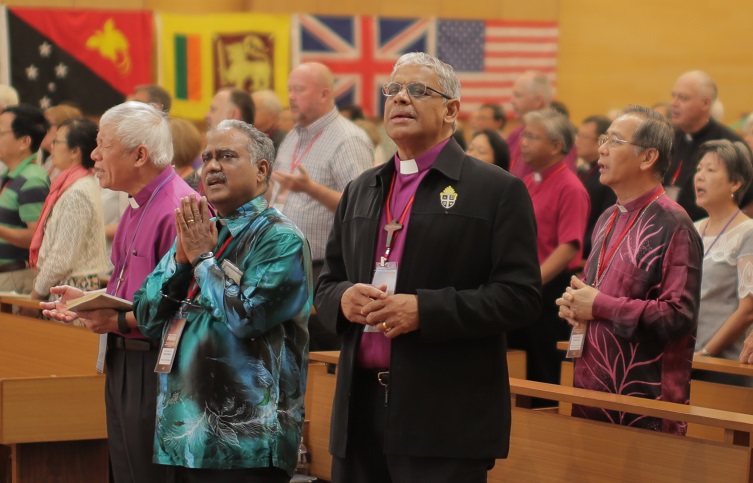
(638, 304)
(133, 154)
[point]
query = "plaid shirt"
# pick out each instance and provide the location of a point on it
(335, 157)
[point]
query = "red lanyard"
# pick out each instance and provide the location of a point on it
(194, 289)
(298, 159)
(603, 261)
(677, 174)
(541, 185)
(392, 227)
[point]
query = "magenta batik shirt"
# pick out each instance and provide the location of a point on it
(641, 339)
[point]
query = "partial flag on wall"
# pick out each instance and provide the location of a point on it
(91, 58)
(360, 51)
(199, 54)
(490, 55)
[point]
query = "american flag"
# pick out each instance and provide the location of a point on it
(360, 51)
(489, 56)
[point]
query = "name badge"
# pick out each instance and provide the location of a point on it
(384, 275)
(169, 346)
(233, 273)
(577, 341)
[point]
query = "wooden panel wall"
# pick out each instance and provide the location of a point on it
(611, 53)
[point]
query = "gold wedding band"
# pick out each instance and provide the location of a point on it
(386, 328)
(190, 221)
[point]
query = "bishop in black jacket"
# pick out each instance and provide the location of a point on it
(468, 274)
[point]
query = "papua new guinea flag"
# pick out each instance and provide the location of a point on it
(91, 58)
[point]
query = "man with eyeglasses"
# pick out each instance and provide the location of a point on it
(561, 205)
(636, 311)
(23, 188)
(601, 197)
(317, 159)
(430, 262)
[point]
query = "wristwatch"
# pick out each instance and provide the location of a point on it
(201, 258)
(122, 323)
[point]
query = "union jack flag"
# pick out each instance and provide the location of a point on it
(360, 51)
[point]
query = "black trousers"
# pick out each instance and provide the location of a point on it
(131, 402)
(365, 462)
(242, 475)
(322, 333)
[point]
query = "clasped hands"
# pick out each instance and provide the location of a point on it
(576, 304)
(392, 315)
(197, 233)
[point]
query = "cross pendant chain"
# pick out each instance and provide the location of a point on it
(391, 228)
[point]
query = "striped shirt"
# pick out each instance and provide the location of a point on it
(21, 201)
(333, 151)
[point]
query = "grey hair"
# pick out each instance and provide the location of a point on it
(736, 158)
(137, 124)
(558, 128)
(448, 79)
(655, 132)
(539, 84)
(259, 145)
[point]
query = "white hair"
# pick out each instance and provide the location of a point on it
(448, 79)
(8, 96)
(136, 124)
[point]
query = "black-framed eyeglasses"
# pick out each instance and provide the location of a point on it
(614, 141)
(416, 90)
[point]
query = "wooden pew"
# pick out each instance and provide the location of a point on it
(52, 411)
(320, 391)
(7, 302)
(702, 393)
(546, 446)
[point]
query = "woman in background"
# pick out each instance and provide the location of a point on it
(68, 245)
(488, 145)
(55, 115)
(187, 146)
(726, 311)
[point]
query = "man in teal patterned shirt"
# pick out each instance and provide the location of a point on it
(230, 406)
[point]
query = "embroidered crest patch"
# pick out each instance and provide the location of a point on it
(448, 197)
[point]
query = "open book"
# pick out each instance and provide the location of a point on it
(98, 300)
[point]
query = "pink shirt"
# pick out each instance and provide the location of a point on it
(145, 234)
(374, 350)
(561, 205)
(519, 168)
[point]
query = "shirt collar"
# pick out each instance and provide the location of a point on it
(17, 171)
(548, 172)
(424, 161)
(244, 214)
(316, 126)
(146, 192)
(638, 203)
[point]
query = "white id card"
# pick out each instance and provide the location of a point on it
(577, 341)
(384, 275)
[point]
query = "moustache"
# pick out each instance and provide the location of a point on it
(215, 177)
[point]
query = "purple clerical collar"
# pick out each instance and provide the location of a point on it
(421, 163)
(146, 192)
(640, 201)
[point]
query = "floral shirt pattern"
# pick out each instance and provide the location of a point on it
(641, 339)
(234, 397)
